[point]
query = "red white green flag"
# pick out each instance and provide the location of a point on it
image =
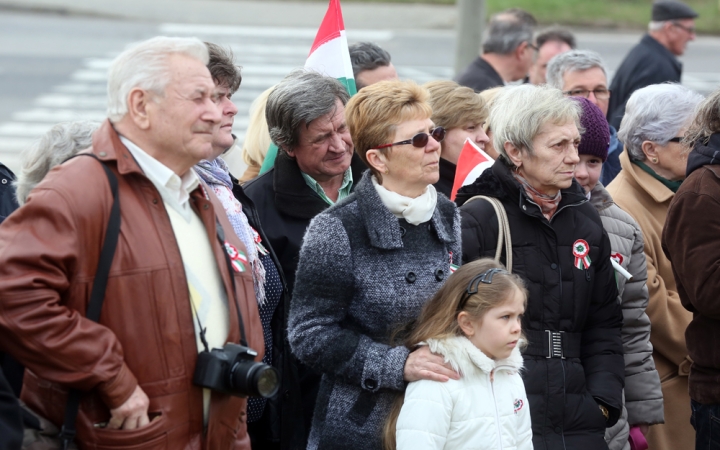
(330, 56)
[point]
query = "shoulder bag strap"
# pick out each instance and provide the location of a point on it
(503, 229)
(97, 296)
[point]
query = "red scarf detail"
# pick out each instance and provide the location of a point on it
(548, 204)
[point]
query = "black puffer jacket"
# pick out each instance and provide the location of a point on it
(564, 392)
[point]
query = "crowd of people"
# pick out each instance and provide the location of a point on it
(333, 296)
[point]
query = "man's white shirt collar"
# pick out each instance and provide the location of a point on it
(175, 190)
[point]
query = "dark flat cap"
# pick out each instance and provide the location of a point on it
(671, 10)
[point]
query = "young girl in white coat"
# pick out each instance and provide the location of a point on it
(474, 321)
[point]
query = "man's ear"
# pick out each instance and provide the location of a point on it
(288, 151)
(138, 104)
(514, 154)
(520, 50)
(377, 160)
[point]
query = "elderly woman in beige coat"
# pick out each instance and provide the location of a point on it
(653, 166)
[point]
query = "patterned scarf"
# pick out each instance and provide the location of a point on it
(217, 176)
(548, 204)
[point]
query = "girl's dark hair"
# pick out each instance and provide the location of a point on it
(438, 318)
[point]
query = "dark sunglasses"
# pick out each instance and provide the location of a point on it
(420, 140)
(677, 139)
(485, 277)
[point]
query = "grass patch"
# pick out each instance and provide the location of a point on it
(594, 13)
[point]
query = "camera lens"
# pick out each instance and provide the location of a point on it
(255, 379)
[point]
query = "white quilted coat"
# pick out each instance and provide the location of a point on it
(486, 409)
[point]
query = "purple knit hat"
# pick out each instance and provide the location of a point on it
(596, 138)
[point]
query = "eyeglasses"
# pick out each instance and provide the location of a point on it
(420, 140)
(600, 94)
(485, 277)
(532, 46)
(689, 30)
(677, 139)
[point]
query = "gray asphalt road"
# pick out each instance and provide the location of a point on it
(52, 67)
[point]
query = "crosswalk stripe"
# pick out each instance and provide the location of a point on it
(71, 101)
(24, 128)
(266, 32)
(58, 115)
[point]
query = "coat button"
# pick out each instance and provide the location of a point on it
(410, 277)
(155, 201)
(370, 384)
(103, 154)
(524, 208)
(402, 231)
(4, 181)
(286, 395)
(553, 266)
(206, 206)
(429, 227)
(439, 274)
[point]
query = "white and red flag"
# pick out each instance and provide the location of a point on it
(472, 162)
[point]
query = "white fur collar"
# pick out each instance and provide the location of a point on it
(469, 360)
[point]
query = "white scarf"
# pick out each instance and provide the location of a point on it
(415, 210)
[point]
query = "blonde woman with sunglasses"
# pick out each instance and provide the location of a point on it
(369, 264)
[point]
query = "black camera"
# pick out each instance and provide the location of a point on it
(232, 370)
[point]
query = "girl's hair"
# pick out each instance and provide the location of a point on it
(438, 318)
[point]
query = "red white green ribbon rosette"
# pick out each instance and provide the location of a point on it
(581, 251)
(237, 257)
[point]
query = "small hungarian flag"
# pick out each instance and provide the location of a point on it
(330, 56)
(472, 162)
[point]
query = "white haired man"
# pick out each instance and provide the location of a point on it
(654, 59)
(581, 73)
(172, 290)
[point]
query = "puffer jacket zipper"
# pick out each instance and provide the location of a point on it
(491, 377)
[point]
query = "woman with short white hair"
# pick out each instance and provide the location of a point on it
(59, 143)
(653, 167)
(574, 364)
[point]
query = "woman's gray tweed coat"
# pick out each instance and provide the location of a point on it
(643, 395)
(363, 273)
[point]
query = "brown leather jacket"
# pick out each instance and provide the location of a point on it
(49, 252)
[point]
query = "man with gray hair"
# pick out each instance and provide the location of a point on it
(177, 281)
(654, 59)
(316, 167)
(507, 52)
(582, 73)
(370, 64)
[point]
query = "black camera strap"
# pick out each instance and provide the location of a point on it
(221, 238)
(97, 295)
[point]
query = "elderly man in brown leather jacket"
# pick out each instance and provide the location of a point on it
(169, 287)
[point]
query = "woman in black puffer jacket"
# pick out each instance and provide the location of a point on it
(574, 368)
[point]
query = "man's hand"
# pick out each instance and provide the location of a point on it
(422, 364)
(132, 414)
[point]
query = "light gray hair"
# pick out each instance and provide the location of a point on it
(54, 147)
(572, 61)
(145, 65)
(297, 100)
(507, 30)
(657, 25)
(519, 112)
(656, 113)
